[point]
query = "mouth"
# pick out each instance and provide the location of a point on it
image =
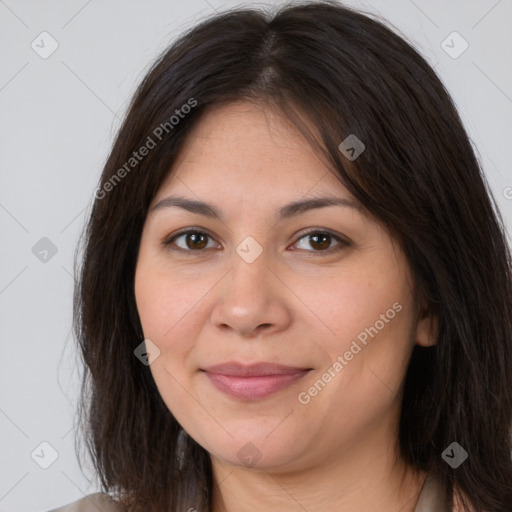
(255, 381)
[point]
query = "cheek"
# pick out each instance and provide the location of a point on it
(172, 311)
(369, 313)
(152, 300)
(164, 303)
(348, 302)
(165, 310)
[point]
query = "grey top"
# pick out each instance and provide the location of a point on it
(92, 503)
(430, 500)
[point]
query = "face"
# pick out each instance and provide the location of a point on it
(319, 292)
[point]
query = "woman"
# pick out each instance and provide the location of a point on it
(295, 291)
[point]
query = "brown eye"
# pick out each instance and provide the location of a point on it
(320, 242)
(190, 241)
(196, 241)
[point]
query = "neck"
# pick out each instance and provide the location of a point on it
(365, 477)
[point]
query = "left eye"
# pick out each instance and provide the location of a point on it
(321, 241)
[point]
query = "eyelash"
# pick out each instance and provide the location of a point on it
(342, 243)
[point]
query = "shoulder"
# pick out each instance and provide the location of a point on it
(92, 503)
(431, 497)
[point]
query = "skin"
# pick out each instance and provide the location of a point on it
(295, 304)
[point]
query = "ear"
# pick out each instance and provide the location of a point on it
(427, 328)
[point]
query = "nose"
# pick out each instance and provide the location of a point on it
(252, 300)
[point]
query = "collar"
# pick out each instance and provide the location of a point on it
(431, 497)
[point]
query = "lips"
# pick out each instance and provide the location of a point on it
(252, 382)
(253, 370)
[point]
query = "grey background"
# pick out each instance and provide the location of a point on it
(58, 118)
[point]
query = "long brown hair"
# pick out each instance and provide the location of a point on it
(347, 73)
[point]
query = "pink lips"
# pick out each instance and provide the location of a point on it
(252, 382)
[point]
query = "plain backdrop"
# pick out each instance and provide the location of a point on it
(59, 113)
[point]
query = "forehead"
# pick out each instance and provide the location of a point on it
(249, 147)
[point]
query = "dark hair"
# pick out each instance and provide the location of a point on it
(345, 73)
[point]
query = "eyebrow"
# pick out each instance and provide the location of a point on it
(285, 212)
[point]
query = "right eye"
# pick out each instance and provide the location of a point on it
(191, 241)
